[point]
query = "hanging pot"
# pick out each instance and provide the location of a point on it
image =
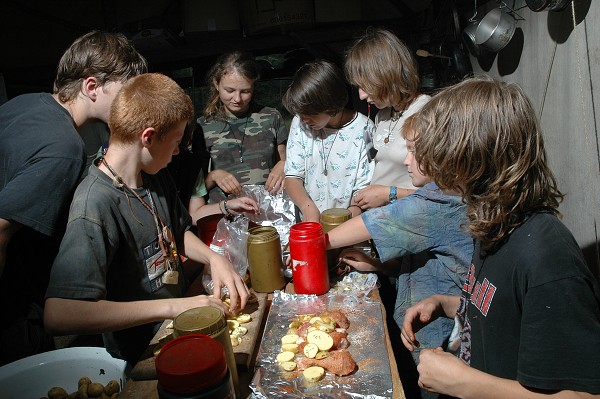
(468, 38)
(548, 5)
(495, 30)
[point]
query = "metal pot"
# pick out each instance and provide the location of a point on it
(495, 30)
(549, 5)
(468, 38)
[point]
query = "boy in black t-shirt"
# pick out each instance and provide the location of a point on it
(530, 308)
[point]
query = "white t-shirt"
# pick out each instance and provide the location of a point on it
(389, 161)
(341, 153)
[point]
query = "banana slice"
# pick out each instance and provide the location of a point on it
(314, 373)
(285, 357)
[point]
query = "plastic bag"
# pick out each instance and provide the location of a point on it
(231, 238)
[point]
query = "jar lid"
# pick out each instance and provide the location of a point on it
(190, 363)
(262, 234)
(206, 320)
(335, 215)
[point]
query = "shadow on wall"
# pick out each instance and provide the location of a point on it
(562, 23)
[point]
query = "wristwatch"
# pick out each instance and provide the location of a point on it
(393, 197)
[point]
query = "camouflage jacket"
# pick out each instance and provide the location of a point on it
(245, 147)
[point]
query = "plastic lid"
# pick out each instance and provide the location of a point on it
(262, 234)
(190, 364)
(335, 215)
(206, 320)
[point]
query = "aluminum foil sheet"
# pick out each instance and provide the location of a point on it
(372, 379)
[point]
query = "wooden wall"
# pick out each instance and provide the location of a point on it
(555, 57)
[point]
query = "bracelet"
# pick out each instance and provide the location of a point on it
(393, 196)
(228, 215)
(355, 206)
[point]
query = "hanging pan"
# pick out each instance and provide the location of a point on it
(495, 30)
(547, 5)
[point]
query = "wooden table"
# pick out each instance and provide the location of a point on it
(142, 384)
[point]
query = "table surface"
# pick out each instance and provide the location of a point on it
(142, 384)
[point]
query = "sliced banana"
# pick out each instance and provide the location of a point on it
(314, 373)
(285, 357)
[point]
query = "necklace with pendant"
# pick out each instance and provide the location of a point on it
(241, 141)
(323, 158)
(395, 119)
(166, 240)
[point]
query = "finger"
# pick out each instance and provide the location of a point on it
(407, 343)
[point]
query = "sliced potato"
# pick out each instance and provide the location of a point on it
(285, 357)
(288, 366)
(327, 320)
(294, 324)
(321, 355)
(239, 331)
(289, 339)
(314, 373)
(315, 319)
(290, 348)
(292, 331)
(310, 350)
(326, 328)
(244, 318)
(311, 328)
(305, 317)
(321, 339)
(235, 340)
(233, 324)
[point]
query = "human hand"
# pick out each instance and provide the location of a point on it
(276, 181)
(311, 214)
(416, 317)
(226, 182)
(372, 196)
(223, 274)
(441, 371)
(180, 305)
(241, 205)
(359, 260)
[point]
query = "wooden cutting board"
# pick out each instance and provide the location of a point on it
(244, 352)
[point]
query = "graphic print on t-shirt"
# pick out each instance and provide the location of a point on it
(154, 260)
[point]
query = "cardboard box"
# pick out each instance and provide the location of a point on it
(270, 15)
(338, 10)
(209, 16)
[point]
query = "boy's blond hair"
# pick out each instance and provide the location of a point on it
(482, 138)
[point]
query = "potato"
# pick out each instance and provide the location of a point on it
(321, 355)
(314, 373)
(235, 340)
(290, 348)
(82, 391)
(310, 350)
(57, 393)
(112, 387)
(244, 318)
(321, 339)
(294, 324)
(292, 331)
(289, 339)
(315, 319)
(285, 357)
(84, 381)
(74, 395)
(95, 389)
(325, 327)
(288, 366)
(233, 324)
(239, 331)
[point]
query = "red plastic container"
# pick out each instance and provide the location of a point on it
(193, 367)
(309, 258)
